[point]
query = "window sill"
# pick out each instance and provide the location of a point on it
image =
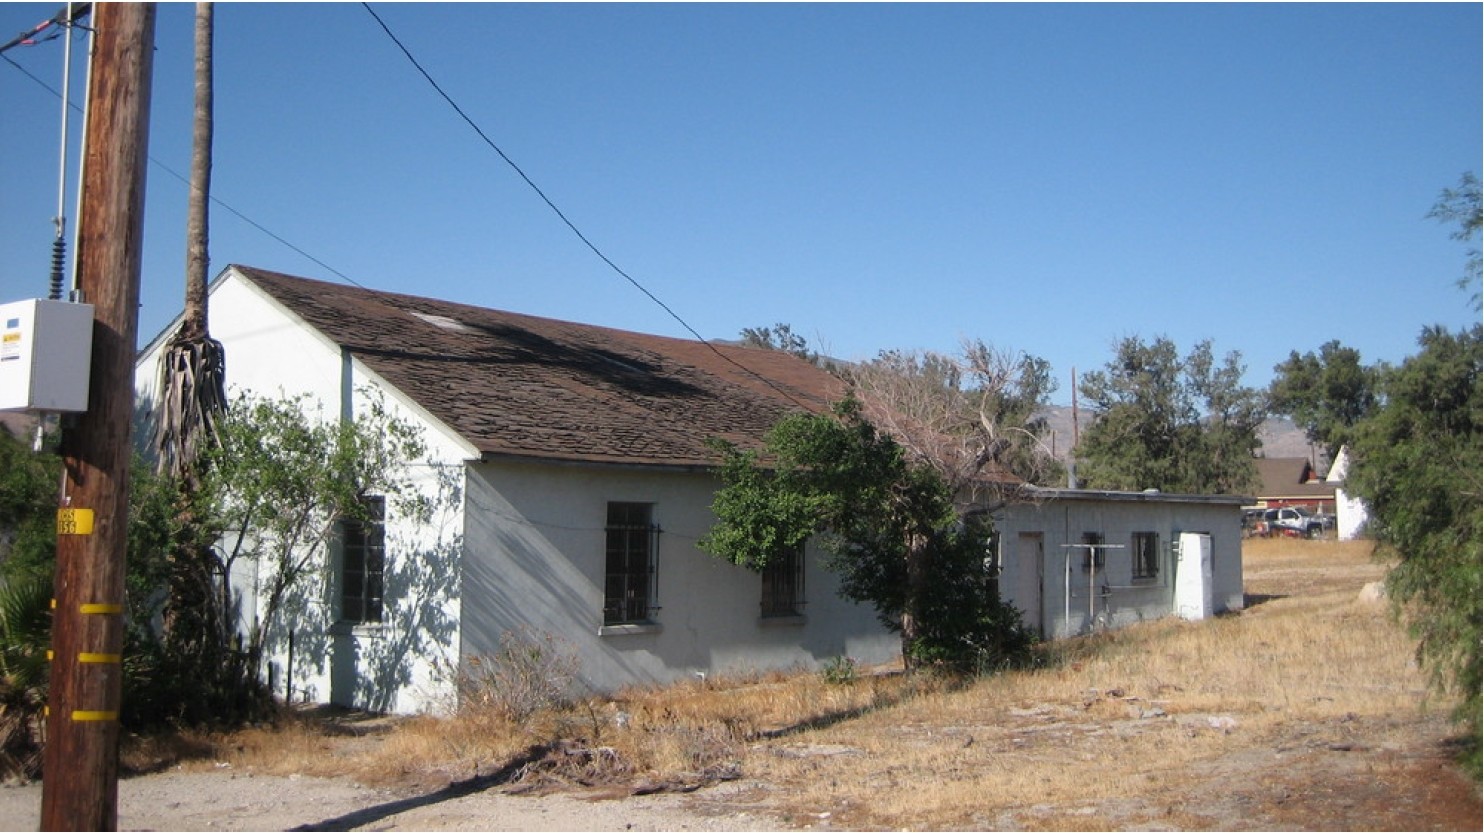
(795, 620)
(631, 629)
(361, 629)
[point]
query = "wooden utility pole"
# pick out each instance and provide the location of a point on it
(80, 762)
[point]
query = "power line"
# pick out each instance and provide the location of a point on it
(215, 200)
(562, 216)
(68, 16)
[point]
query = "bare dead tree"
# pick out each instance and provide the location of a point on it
(971, 417)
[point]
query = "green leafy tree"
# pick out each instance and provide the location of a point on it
(271, 490)
(1184, 425)
(28, 507)
(779, 337)
(1416, 463)
(1461, 207)
(1327, 394)
(888, 526)
(282, 479)
(28, 484)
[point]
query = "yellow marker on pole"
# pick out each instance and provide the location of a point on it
(100, 608)
(80, 716)
(74, 521)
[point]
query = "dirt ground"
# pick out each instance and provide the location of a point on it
(1387, 772)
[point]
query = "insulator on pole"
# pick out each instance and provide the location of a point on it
(59, 259)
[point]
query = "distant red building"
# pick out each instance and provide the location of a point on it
(1292, 481)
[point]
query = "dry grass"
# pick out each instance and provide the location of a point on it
(1132, 715)
(1111, 732)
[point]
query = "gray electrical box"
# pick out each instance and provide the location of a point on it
(46, 349)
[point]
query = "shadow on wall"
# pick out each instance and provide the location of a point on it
(518, 576)
(370, 665)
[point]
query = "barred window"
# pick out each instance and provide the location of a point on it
(1092, 551)
(363, 563)
(783, 584)
(1146, 555)
(631, 570)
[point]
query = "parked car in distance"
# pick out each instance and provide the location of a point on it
(1296, 520)
(1254, 525)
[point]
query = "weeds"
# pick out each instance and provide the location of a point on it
(531, 673)
(839, 671)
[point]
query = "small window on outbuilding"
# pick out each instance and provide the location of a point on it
(1092, 551)
(1145, 549)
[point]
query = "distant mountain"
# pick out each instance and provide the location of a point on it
(1279, 436)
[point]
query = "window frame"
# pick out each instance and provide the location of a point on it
(1094, 556)
(994, 564)
(783, 586)
(363, 543)
(630, 586)
(1144, 552)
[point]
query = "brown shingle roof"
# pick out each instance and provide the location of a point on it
(1290, 477)
(518, 385)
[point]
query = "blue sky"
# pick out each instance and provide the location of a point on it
(1049, 178)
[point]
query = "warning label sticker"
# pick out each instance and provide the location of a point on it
(10, 347)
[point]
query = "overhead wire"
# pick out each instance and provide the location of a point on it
(488, 141)
(214, 199)
(562, 215)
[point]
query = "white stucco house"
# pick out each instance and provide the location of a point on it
(575, 480)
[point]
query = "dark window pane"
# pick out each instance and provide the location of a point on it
(363, 563)
(629, 563)
(783, 585)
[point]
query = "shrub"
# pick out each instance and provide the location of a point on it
(839, 671)
(532, 672)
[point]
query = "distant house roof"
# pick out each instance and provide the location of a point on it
(526, 387)
(1291, 478)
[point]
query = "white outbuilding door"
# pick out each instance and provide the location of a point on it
(1194, 591)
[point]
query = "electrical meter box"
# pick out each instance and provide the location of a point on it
(46, 350)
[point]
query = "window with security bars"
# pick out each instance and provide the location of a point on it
(363, 563)
(1092, 552)
(630, 568)
(783, 584)
(1146, 555)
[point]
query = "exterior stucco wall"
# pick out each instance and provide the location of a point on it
(535, 561)
(1351, 514)
(1067, 605)
(401, 663)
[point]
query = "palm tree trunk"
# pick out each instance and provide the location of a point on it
(193, 376)
(198, 621)
(194, 326)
